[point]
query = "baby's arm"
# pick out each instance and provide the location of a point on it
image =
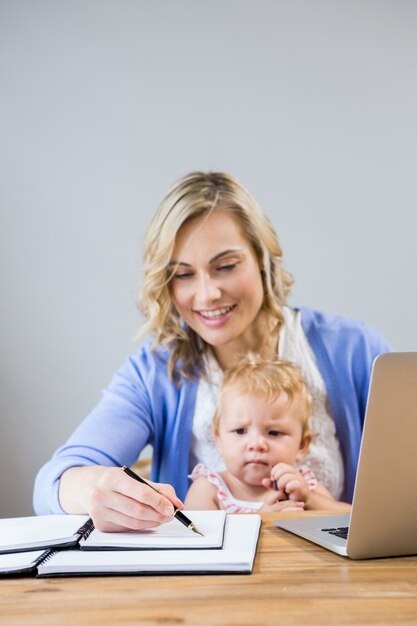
(291, 482)
(201, 496)
(321, 498)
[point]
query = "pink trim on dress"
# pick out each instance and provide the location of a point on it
(226, 499)
(224, 496)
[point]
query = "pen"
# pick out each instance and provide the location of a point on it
(177, 513)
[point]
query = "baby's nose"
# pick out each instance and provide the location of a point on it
(258, 443)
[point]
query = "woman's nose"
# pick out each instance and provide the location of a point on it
(207, 290)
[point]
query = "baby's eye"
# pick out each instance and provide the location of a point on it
(240, 431)
(275, 433)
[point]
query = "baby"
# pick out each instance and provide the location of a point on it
(262, 429)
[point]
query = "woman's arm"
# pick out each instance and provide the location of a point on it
(85, 476)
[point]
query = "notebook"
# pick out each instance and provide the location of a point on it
(383, 519)
(46, 531)
(236, 556)
(22, 562)
(61, 531)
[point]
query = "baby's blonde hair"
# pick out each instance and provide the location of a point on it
(269, 379)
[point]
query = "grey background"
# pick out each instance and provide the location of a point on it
(311, 104)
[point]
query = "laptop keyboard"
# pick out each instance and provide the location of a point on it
(338, 532)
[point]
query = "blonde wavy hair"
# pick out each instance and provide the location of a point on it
(193, 195)
(268, 379)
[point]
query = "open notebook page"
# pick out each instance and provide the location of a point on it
(20, 562)
(172, 535)
(28, 533)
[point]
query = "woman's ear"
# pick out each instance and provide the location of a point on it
(304, 445)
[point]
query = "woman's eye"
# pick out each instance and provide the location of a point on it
(182, 276)
(227, 268)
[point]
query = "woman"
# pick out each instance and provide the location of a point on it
(214, 288)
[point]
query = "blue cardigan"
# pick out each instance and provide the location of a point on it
(142, 406)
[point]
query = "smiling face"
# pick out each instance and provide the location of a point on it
(255, 434)
(216, 284)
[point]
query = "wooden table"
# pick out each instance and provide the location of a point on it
(293, 582)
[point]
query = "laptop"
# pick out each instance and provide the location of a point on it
(383, 518)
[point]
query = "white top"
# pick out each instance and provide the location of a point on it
(324, 456)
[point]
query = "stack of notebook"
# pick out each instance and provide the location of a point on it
(69, 545)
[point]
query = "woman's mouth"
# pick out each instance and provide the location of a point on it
(214, 317)
(215, 314)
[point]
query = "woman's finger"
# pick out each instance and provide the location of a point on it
(143, 495)
(169, 492)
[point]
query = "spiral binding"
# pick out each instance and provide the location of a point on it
(86, 529)
(45, 557)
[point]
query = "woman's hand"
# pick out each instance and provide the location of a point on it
(114, 501)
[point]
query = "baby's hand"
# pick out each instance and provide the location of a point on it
(290, 482)
(273, 502)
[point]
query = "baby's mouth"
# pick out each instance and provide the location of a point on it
(257, 462)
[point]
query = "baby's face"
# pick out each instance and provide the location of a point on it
(254, 434)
